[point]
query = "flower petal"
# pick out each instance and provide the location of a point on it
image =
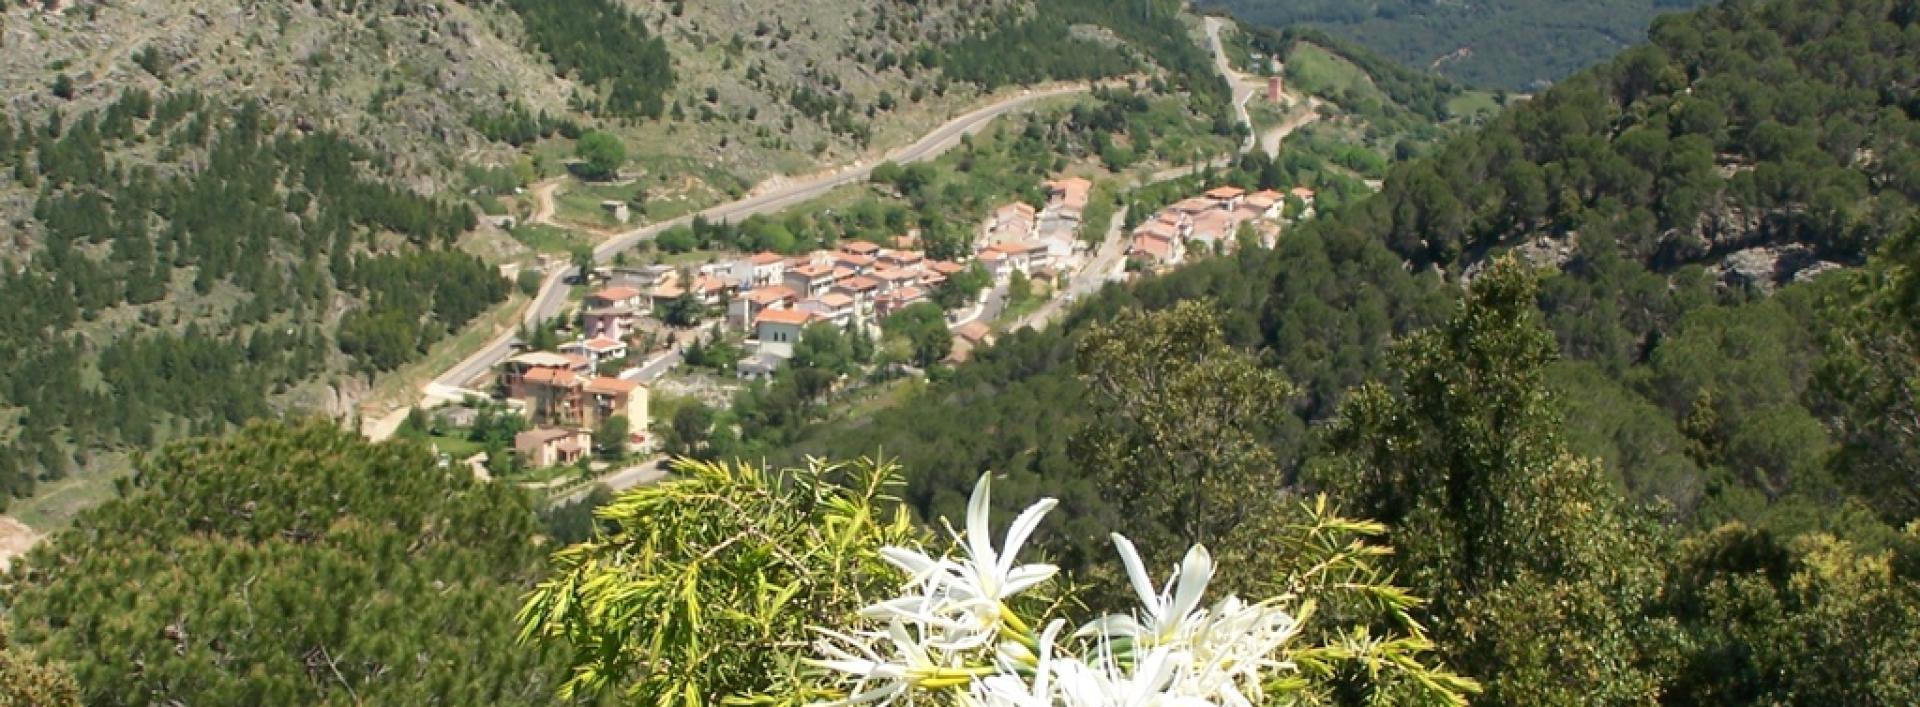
(1137, 574)
(1195, 572)
(1022, 527)
(979, 514)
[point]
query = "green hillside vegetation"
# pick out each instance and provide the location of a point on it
(291, 565)
(1754, 438)
(185, 301)
(1737, 127)
(1514, 44)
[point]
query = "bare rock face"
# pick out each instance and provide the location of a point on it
(1766, 268)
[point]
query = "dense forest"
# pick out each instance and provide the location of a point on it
(291, 565)
(1512, 44)
(180, 297)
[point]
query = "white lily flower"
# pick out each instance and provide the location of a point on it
(911, 664)
(1169, 614)
(966, 598)
(1153, 681)
(1233, 647)
(1008, 689)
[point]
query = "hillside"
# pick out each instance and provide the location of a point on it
(1653, 369)
(226, 210)
(1518, 45)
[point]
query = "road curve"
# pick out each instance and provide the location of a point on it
(552, 294)
(1237, 88)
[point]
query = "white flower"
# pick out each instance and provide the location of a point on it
(911, 664)
(1169, 614)
(1232, 647)
(966, 598)
(1152, 682)
(1008, 688)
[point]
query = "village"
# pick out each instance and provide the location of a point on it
(580, 392)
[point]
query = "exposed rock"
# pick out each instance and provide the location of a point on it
(1766, 268)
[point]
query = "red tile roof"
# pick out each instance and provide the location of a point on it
(770, 294)
(555, 377)
(767, 257)
(616, 294)
(945, 267)
(1224, 193)
(858, 283)
(611, 386)
(784, 316)
(859, 247)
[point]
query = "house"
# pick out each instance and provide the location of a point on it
(903, 259)
(1069, 196)
(1152, 249)
(946, 267)
(779, 329)
(645, 278)
(747, 307)
(1227, 197)
(513, 373)
(599, 348)
(552, 395)
(760, 366)
(609, 397)
(854, 263)
(614, 297)
(863, 290)
(1213, 227)
(1266, 201)
(893, 279)
(810, 280)
(1161, 229)
(1012, 222)
(543, 447)
(976, 333)
(860, 248)
(832, 307)
(609, 322)
(897, 300)
(760, 270)
(709, 289)
(1305, 195)
(1193, 205)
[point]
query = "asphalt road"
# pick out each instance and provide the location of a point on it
(1241, 91)
(553, 291)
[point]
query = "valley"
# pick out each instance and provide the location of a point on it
(1073, 352)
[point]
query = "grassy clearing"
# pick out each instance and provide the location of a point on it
(55, 504)
(552, 240)
(458, 448)
(1473, 105)
(1316, 70)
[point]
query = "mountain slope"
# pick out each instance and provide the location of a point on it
(1519, 45)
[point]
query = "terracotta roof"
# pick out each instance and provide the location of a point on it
(945, 267)
(770, 294)
(602, 343)
(834, 300)
(540, 436)
(767, 257)
(1158, 229)
(1155, 247)
(576, 360)
(1019, 209)
(616, 294)
(709, 284)
(783, 316)
(667, 292)
(1302, 192)
(557, 377)
(812, 270)
(1226, 193)
(895, 274)
(909, 294)
(993, 254)
(611, 386)
(853, 259)
(1193, 205)
(1013, 247)
(842, 273)
(975, 332)
(1264, 198)
(903, 256)
(1072, 192)
(858, 283)
(859, 247)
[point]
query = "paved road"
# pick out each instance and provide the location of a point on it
(1100, 269)
(1241, 91)
(646, 472)
(553, 290)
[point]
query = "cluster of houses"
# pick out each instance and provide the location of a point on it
(1209, 223)
(1043, 243)
(564, 398)
(853, 287)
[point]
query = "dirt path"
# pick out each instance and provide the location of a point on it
(543, 202)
